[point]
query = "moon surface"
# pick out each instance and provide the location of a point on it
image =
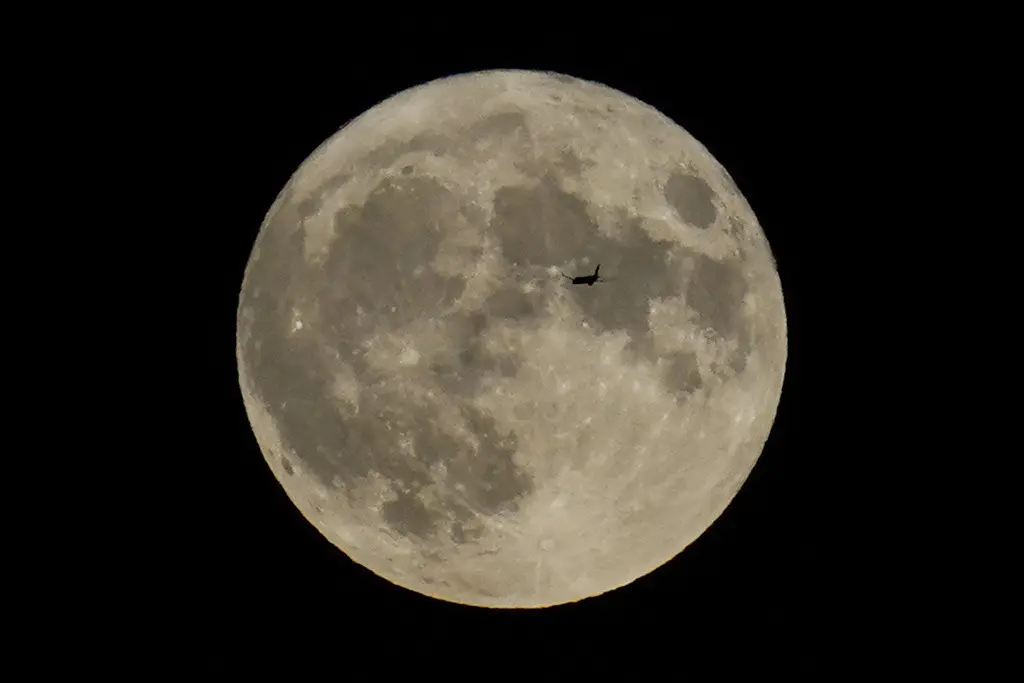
(444, 406)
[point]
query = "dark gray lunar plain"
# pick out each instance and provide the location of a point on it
(444, 406)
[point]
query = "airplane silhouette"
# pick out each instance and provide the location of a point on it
(588, 280)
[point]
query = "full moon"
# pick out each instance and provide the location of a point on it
(451, 411)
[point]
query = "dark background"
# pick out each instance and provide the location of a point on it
(237, 577)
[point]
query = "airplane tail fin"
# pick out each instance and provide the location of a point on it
(597, 269)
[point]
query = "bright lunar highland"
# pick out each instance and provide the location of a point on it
(453, 413)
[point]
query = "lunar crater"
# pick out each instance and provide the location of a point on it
(692, 198)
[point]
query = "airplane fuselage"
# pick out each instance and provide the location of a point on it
(588, 280)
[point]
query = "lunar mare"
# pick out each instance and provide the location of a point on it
(443, 407)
